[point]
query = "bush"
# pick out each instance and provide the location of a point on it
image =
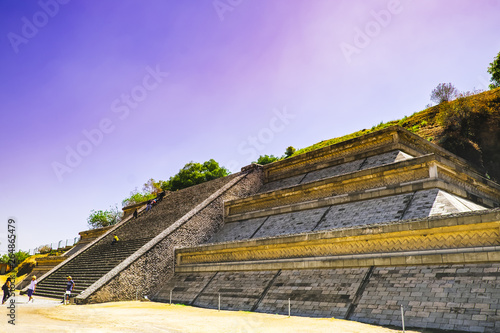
(289, 151)
(195, 173)
(104, 218)
(444, 92)
(266, 159)
(494, 70)
(44, 249)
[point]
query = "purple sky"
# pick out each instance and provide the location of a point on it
(157, 84)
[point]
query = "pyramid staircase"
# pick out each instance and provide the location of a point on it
(100, 258)
(144, 250)
(89, 267)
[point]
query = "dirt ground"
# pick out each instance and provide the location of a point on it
(48, 315)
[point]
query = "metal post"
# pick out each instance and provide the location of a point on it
(170, 296)
(403, 318)
(288, 308)
(219, 302)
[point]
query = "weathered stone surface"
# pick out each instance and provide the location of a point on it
(344, 168)
(291, 223)
(238, 290)
(238, 230)
(314, 293)
(184, 287)
(419, 204)
(365, 212)
(282, 183)
(452, 296)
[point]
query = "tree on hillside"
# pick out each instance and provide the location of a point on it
(152, 186)
(289, 151)
(104, 218)
(195, 173)
(19, 257)
(150, 190)
(462, 115)
(266, 159)
(444, 92)
(494, 70)
(471, 129)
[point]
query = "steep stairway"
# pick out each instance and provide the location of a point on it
(89, 267)
(101, 257)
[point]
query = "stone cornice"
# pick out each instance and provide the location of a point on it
(394, 137)
(473, 230)
(475, 255)
(427, 168)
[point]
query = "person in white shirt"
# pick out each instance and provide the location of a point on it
(32, 288)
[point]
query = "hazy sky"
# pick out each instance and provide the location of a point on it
(99, 96)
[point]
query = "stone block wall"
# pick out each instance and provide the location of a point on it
(344, 168)
(313, 293)
(290, 223)
(238, 230)
(238, 290)
(184, 287)
(419, 204)
(460, 298)
(450, 297)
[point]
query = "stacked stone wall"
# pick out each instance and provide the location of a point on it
(290, 223)
(238, 290)
(336, 170)
(313, 293)
(412, 205)
(460, 298)
(238, 230)
(450, 297)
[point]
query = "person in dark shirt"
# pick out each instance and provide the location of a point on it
(6, 290)
(69, 287)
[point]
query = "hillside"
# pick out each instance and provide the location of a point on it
(468, 126)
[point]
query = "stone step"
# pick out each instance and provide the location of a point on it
(88, 267)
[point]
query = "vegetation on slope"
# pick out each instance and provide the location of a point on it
(468, 126)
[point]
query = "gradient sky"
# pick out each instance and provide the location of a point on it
(229, 82)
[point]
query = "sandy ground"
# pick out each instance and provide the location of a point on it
(49, 315)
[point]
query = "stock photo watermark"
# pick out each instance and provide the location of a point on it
(122, 107)
(31, 26)
(363, 36)
(223, 6)
(9, 291)
(253, 144)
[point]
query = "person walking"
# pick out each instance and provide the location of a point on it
(31, 289)
(6, 290)
(115, 239)
(69, 287)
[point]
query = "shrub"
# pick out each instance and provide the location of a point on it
(444, 92)
(44, 249)
(104, 218)
(289, 151)
(266, 159)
